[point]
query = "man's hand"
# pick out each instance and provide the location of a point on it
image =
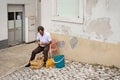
(43, 43)
(38, 42)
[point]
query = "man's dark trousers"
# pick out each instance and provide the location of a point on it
(38, 50)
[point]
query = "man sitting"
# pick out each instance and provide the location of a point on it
(43, 41)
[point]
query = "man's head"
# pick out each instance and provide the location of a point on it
(41, 30)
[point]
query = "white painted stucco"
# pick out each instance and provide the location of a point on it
(99, 11)
(94, 11)
(30, 9)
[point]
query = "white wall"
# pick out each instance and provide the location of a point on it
(30, 10)
(101, 21)
(3, 21)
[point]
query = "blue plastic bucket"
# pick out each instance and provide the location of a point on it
(59, 61)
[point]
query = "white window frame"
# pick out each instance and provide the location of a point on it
(56, 17)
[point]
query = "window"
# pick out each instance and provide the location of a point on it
(10, 15)
(67, 10)
(18, 15)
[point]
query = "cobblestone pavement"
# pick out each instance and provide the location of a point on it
(71, 71)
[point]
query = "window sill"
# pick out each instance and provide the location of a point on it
(67, 19)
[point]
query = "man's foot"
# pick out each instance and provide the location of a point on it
(28, 65)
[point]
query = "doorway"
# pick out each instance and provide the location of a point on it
(15, 24)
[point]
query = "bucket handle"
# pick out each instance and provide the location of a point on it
(58, 61)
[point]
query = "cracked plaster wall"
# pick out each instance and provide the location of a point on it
(101, 26)
(101, 21)
(92, 41)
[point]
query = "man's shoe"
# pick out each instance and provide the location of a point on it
(28, 65)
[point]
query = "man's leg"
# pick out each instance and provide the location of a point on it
(34, 52)
(45, 52)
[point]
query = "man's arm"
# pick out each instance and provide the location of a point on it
(37, 42)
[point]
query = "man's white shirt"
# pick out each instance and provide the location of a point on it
(45, 38)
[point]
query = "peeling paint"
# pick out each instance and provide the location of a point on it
(61, 44)
(56, 28)
(73, 42)
(90, 5)
(65, 29)
(93, 28)
(101, 26)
